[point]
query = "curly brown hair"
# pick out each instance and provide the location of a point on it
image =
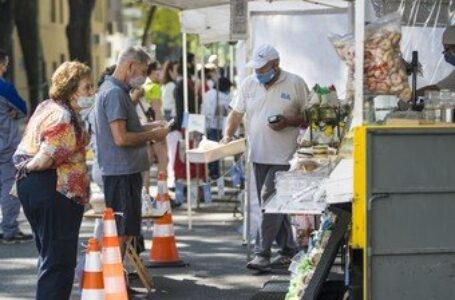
(65, 80)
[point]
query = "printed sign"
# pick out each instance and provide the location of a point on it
(238, 22)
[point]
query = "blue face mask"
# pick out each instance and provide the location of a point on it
(450, 58)
(266, 77)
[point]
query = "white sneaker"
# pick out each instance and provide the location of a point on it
(259, 263)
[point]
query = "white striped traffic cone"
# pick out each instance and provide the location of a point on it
(164, 249)
(92, 280)
(114, 279)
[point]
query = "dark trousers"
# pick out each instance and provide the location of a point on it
(123, 195)
(55, 221)
(272, 227)
(214, 167)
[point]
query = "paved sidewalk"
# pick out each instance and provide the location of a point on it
(213, 250)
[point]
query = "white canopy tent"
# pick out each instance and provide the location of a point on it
(210, 20)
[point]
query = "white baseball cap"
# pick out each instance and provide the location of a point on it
(262, 55)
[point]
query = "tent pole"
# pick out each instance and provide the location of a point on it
(206, 166)
(359, 52)
(196, 111)
(187, 133)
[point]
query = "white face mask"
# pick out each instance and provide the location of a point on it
(137, 81)
(85, 102)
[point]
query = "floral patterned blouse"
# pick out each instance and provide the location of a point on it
(50, 129)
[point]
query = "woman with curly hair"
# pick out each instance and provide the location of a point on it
(52, 180)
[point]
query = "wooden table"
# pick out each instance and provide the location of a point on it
(130, 244)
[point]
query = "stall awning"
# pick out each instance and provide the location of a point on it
(197, 4)
(189, 4)
(212, 24)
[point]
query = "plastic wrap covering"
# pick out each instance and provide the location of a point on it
(304, 264)
(384, 70)
(418, 12)
(300, 192)
(423, 24)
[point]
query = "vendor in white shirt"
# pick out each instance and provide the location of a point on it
(215, 107)
(270, 91)
(448, 83)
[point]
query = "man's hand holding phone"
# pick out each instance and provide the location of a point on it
(159, 134)
(159, 129)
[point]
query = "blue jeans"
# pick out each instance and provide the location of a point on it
(10, 205)
(55, 221)
(214, 167)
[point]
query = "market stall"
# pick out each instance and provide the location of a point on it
(394, 162)
(361, 161)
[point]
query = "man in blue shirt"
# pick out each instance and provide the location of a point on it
(121, 141)
(12, 107)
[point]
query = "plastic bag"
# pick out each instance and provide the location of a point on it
(384, 68)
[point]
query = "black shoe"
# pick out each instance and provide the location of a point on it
(19, 238)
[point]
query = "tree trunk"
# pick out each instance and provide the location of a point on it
(26, 16)
(79, 30)
(6, 32)
(148, 24)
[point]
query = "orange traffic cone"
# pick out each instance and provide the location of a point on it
(92, 280)
(164, 249)
(114, 279)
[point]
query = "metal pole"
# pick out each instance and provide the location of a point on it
(247, 217)
(196, 138)
(359, 52)
(206, 167)
(187, 133)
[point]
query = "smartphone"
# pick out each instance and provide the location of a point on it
(274, 119)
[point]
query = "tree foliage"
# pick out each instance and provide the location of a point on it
(79, 31)
(163, 30)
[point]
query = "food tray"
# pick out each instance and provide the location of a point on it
(207, 156)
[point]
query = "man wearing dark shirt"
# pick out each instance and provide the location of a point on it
(12, 106)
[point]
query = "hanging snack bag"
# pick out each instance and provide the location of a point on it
(384, 69)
